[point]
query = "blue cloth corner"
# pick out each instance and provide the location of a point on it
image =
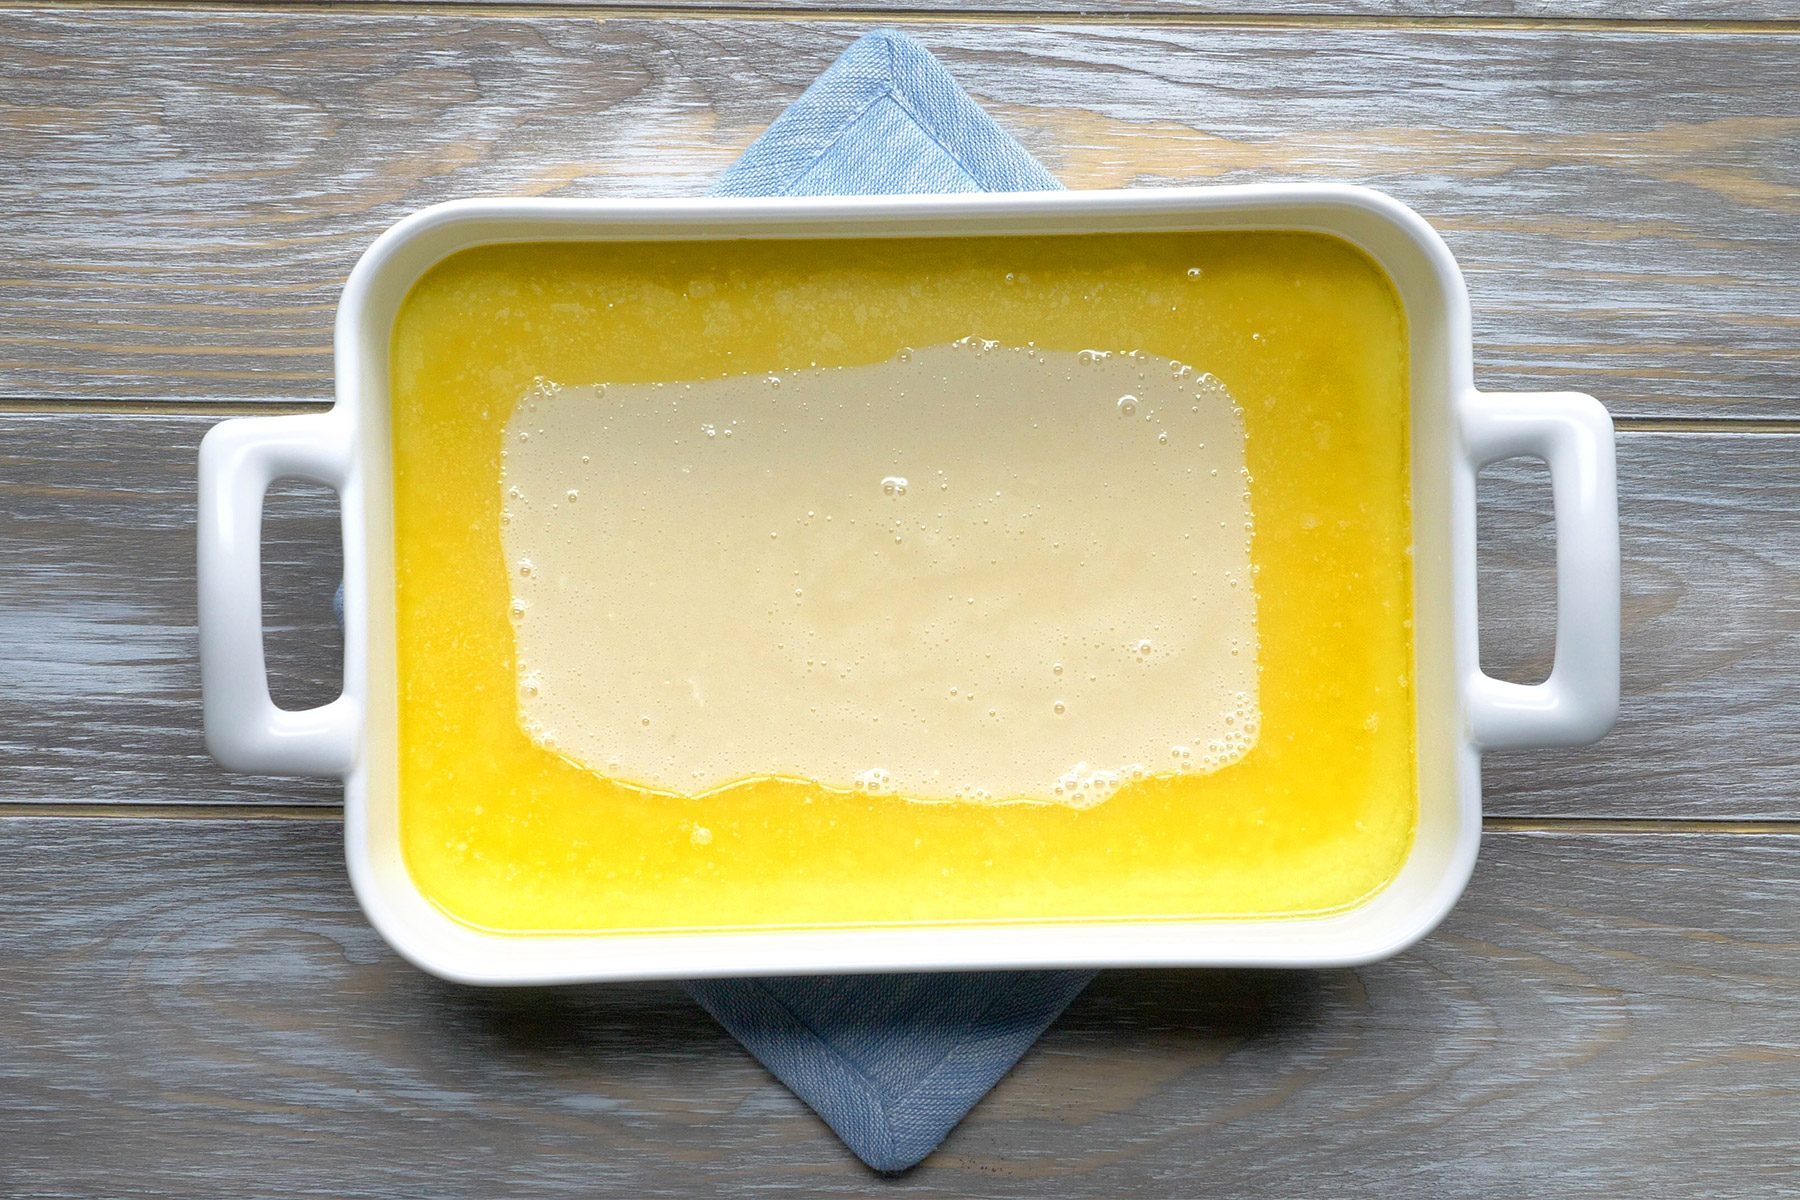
(885, 119)
(891, 1062)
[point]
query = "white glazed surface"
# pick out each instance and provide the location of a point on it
(1460, 710)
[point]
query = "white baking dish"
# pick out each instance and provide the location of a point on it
(1461, 711)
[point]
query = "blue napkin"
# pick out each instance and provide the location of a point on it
(892, 1062)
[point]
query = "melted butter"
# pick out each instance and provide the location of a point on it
(506, 833)
(970, 572)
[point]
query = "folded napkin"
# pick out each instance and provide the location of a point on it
(891, 1062)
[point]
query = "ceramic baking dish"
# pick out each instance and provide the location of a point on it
(1460, 711)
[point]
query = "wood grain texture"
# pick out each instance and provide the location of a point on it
(196, 1008)
(1703, 12)
(183, 192)
(100, 682)
(100, 702)
(1709, 723)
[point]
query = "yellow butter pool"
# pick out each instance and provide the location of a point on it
(1305, 332)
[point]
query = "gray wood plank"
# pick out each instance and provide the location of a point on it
(100, 699)
(1698, 11)
(196, 1008)
(183, 191)
(100, 683)
(1710, 536)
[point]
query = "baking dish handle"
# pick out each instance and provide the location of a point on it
(245, 729)
(1573, 434)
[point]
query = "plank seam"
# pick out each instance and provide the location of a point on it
(123, 810)
(1703, 425)
(44, 406)
(24, 406)
(582, 10)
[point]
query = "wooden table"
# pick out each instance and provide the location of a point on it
(190, 1003)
